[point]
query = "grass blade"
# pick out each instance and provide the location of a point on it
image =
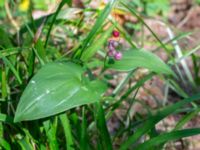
(89, 52)
(5, 118)
(67, 130)
(143, 22)
(25, 144)
(84, 143)
(186, 119)
(50, 129)
(102, 127)
(152, 121)
(4, 144)
(53, 21)
(12, 68)
(98, 24)
(163, 138)
(3, 84)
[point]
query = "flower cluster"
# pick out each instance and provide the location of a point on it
(112, 45)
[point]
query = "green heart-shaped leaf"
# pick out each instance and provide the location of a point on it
(57, 87)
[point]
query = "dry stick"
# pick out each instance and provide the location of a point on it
(13, 22)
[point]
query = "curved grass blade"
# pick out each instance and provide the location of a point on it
(12, 68)
(53, 21)
(186, 119)
(163, 138)
(152, 121)
(97, 26)
(89, 52)
(131, 9)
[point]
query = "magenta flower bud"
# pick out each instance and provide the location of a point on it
(111, 53)
(115, 44)
(118, 56)
(111, 42)
(111, 47)
(116, 33)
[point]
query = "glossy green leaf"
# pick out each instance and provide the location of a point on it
(133, 59)
(57, 87)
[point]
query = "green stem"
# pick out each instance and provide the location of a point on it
(53, 21)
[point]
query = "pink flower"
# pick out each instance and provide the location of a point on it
(115, 44)
(111, 47)
(118, 56)
(111, 53)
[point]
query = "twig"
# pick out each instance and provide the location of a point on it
(13, 22)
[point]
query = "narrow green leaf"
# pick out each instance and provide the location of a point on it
(3, 84)
(133, 59)
(132, 11)
(186, 119)
(4, 144)
(165, 137)
(89, 52)
(4, 38)
(84, 142)
(5, 118)
(10, 51)
(98, 24)
(57, 87)
(25, 144)
(152, 121)
(12, 68)
(40, 50)
(102, 127)
(50, 129)
(53, 21)
(67, 130)
(31, 63)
